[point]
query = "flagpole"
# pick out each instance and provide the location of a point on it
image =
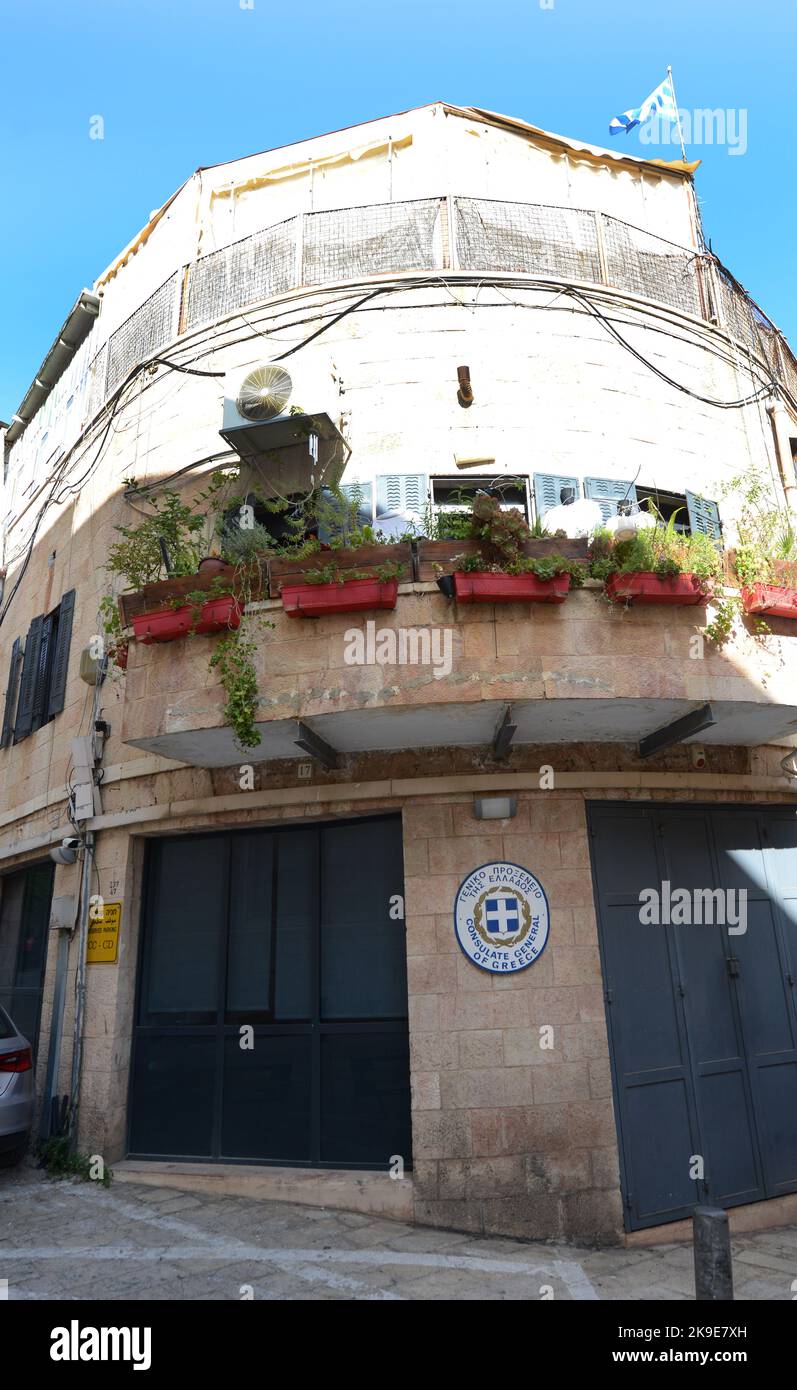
(677, 114)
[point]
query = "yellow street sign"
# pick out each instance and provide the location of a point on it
(103, 942)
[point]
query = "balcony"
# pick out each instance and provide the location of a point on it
(579, 672)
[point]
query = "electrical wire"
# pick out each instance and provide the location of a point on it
(57, 496)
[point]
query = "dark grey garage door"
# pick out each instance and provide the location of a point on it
(702, 1023)
(272, 1000)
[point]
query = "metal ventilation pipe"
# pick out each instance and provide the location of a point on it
(782, 425)
(465, 391)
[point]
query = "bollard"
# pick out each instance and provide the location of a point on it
(712, 1247)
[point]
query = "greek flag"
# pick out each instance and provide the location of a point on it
(660, 103)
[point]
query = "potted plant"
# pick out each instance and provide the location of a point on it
(765, 564)
(659, 565)
(199, 616)
(328, 589)
(353, 569)
(499, 571)
(169, 542)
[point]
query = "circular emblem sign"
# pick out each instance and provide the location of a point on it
(501, 917)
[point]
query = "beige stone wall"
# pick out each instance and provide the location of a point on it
(509, 1137)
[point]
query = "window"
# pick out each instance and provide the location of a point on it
(692, 512)
(40, 671)
(452, 498)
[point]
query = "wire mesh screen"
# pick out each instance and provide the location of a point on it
(645, 264)
(146, 330)
(95, 390)
(255, 268)
(350, 242)
(526, 237)
(735, 308)
(788, 372)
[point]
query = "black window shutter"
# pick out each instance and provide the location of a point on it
(60, 660)
(27, 689)
(11, 693)
(41, 685)
(704, 516)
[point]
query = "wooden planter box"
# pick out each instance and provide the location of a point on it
(282, 571)
(770, 600)
(154, 597)
(353, 596)
(644, 587)
(482, 587)
(442, 557)
(170, 624)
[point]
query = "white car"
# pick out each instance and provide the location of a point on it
(16, 1092)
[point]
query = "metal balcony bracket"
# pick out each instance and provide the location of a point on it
(503, 735)
(693, 723)
(308, 740)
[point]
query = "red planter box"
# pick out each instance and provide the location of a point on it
(169, 624)
(353, 596)
(644, 587)
(481, 587)
(772, 600)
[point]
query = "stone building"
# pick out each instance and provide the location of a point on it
(603, 346)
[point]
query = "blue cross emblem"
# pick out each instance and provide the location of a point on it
(502, 916)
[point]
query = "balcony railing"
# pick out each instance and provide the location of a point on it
(434, 234)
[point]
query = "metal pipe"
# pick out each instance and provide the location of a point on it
(80, 981)
(781, 424)
(56, 1033)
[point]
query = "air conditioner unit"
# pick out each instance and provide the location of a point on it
(289, 448)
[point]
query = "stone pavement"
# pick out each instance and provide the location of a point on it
(78, 1240)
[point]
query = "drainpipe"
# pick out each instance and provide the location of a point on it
(47, 1121)
(80, 981)
(783, 426)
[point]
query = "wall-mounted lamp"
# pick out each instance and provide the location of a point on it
(465, 390)
(494, 807)
(789, 763)
(66, 852)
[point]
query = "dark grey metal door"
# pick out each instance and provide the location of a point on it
(702, 1022)
(271, 1020)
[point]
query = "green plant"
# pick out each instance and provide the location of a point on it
(502, 532)
(233, 658)
(720, 628)
(175, 526)
(60, 1160)
(246, 543)
(111, 621)
(660, 550)
(331, 573)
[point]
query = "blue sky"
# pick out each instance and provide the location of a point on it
(180, 83)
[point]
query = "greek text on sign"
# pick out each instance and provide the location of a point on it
(103, 942)
(501, 917)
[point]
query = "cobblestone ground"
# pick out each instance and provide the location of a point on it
(76, 1240)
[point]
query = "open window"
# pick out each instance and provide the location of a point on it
(692, 512)
(452, 499)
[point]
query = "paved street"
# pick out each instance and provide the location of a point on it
(77, 1240)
